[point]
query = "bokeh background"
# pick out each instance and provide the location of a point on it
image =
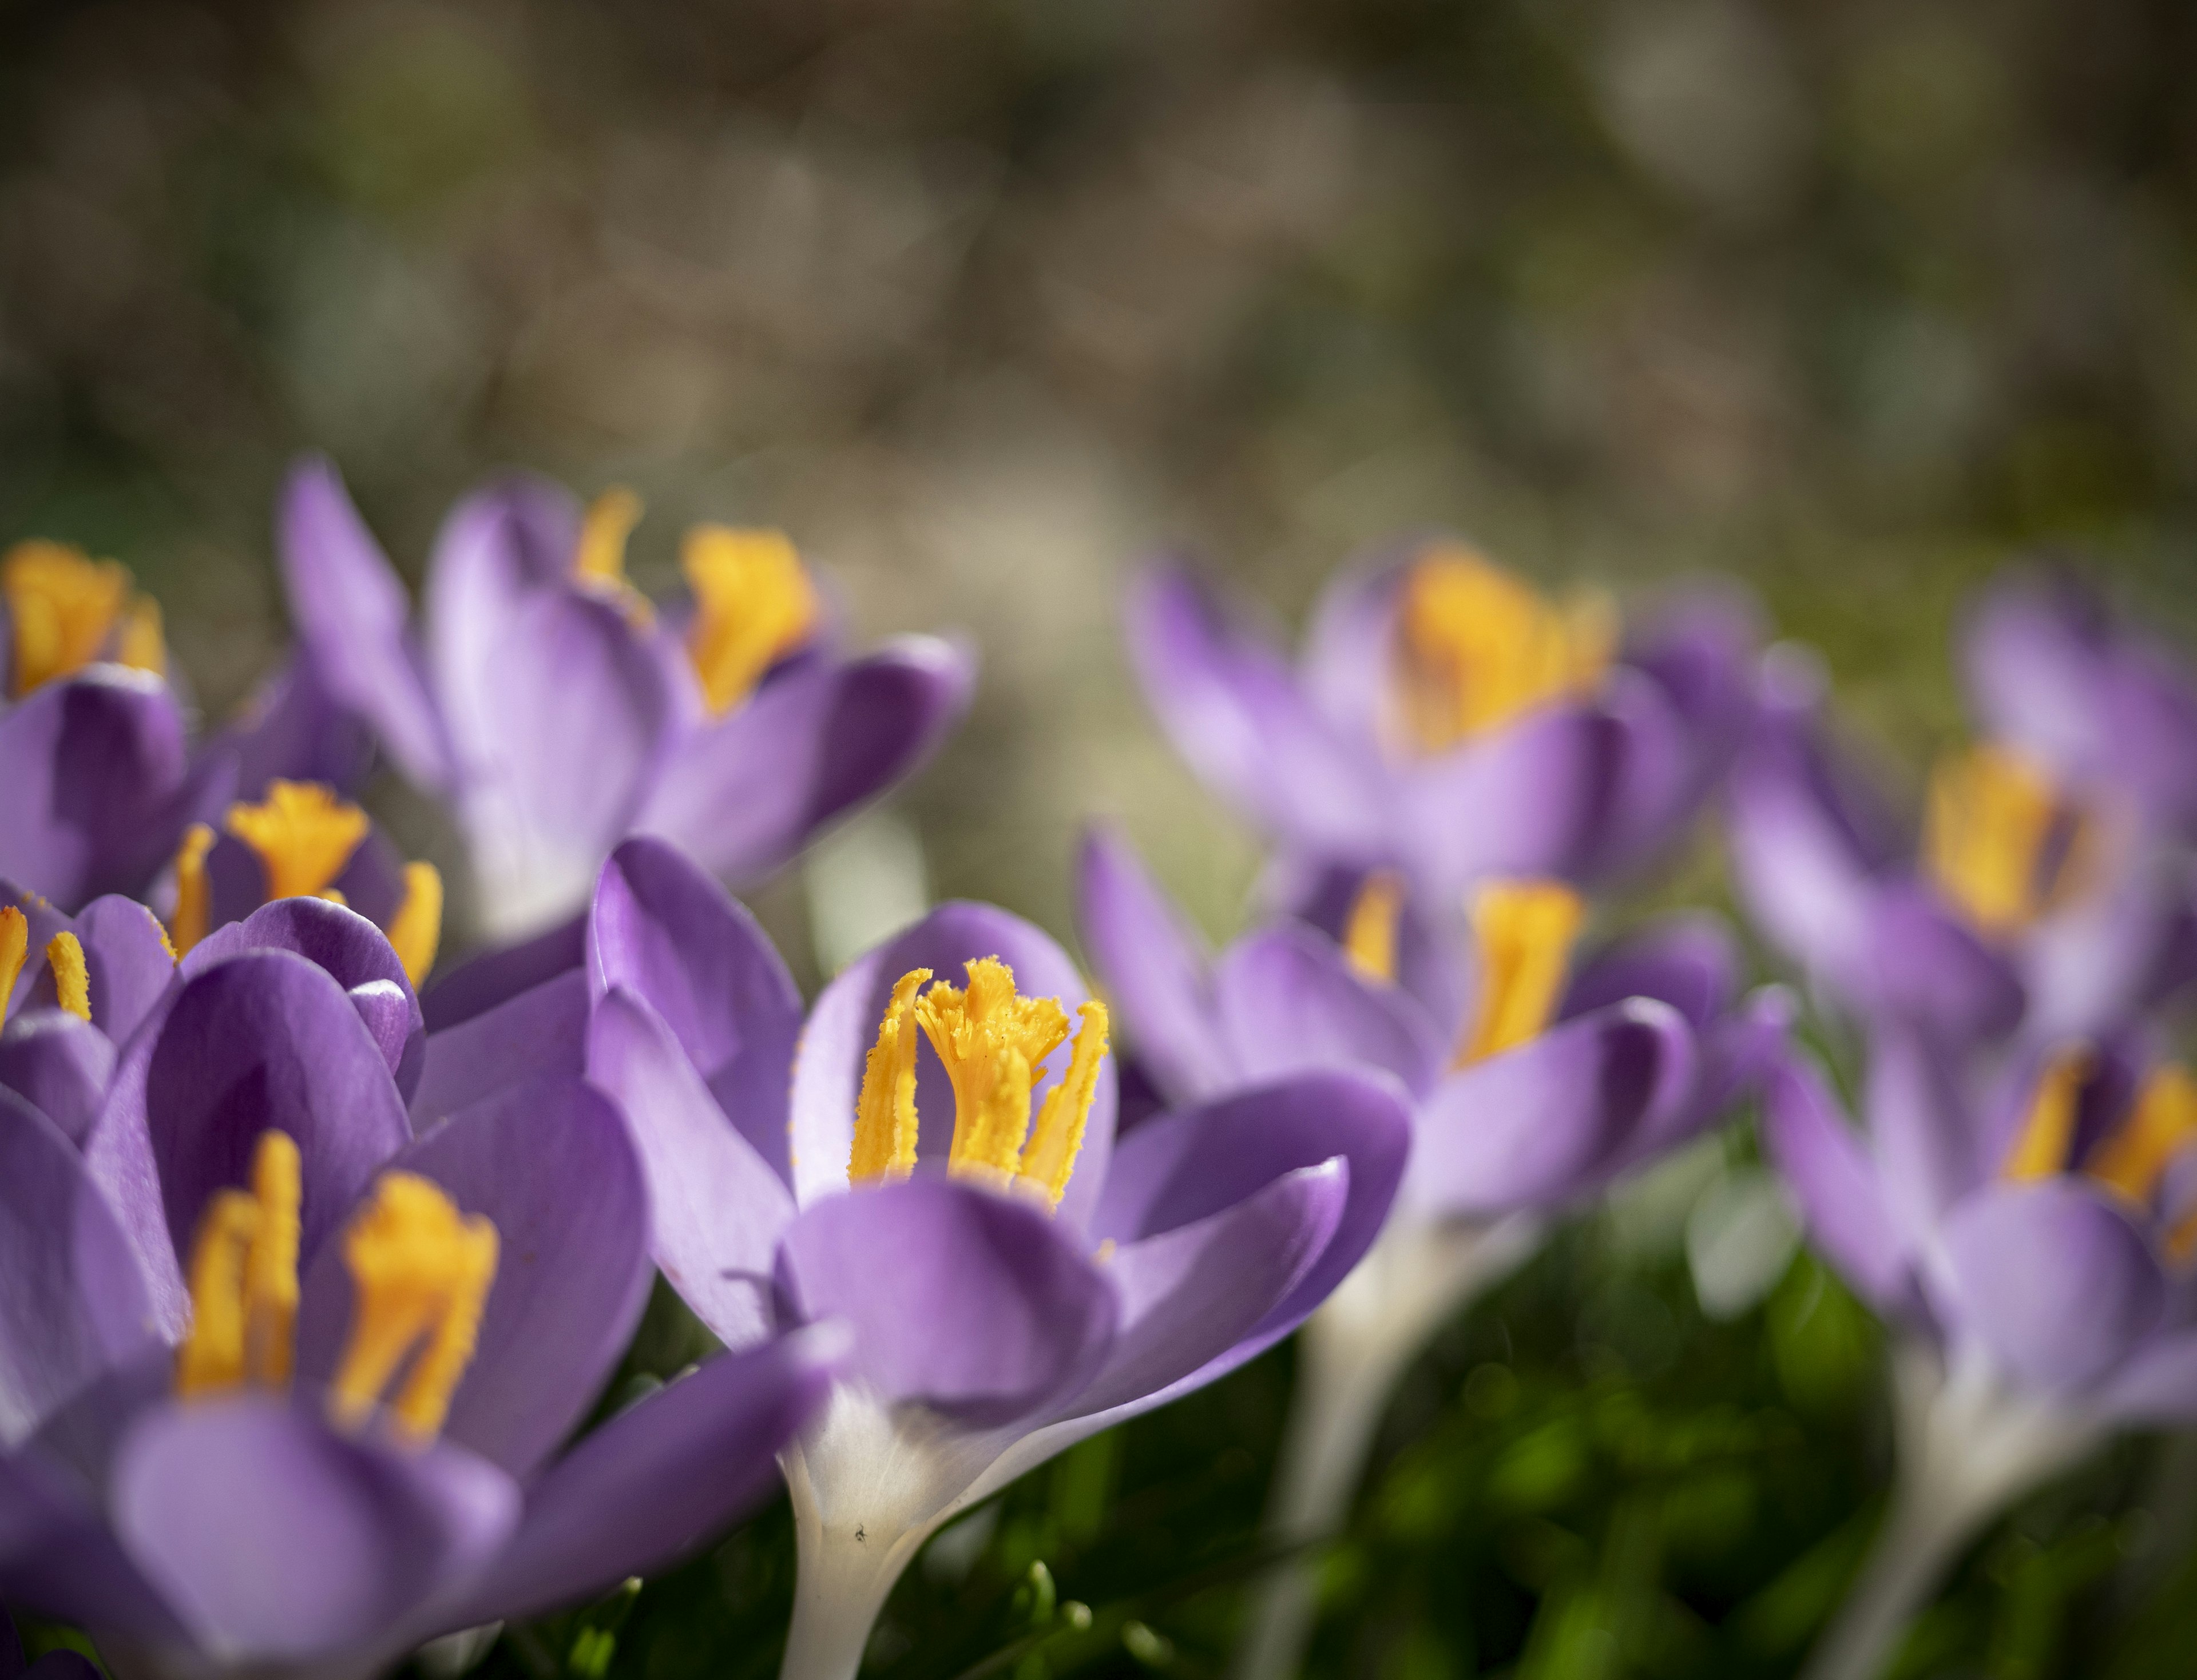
(984, 301)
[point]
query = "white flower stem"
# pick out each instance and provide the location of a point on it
(1969, 1446)
(846, 1572)
(1349, 1356)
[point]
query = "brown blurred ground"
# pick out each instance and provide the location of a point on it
(983, 302)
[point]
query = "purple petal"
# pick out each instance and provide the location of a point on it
(1233, 708)
(1533, 799)
(549, 1163)
(57, 1552)
(1930, 1145)
(671, 935)
(279, 1539)
(1189, 1166)
(1434, 944)
(1551, 1120)
(659, 1479)
(893, 709)
(1925, 964)
(1655, 791)
(827, 1076)
(45, 922)
(293, 729)
(1688, 962)
(1828, 1168)
(75, 1304)
(1702, 649)
(351, 613)
(537, 1033)
(1288, 1002)
(1350, 662)
(2052, 1278)
(58, 1064)
(2157, 1386)
(127, 957)
(974, 1304)
(1154, 968)
(496, 976)
(718, 1207)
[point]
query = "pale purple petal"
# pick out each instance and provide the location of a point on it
(541, 1032)
(1534, 798)
(1923, 962)
(60, 1065)
(1689, 962)
(44, 921)
(2157, 1385)
(1828, 1168)
(292, 728)
(1349, 661)
(1154, 967)
(127, 961)
(496, 976)
(1655, 788)
(1929, 1141)
(1287, 1001)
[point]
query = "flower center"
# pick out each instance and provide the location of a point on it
(992, 1041)
(64, 957)
(1997, 837)
(1369, 934)
(420, 1274)
(1525, 930)
(2163, 1124)
(1477, 647)
(69, 610)
(2048, 1131)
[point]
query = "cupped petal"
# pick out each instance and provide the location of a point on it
(540, 1031)
(1551, 1121)
(974, 1304)
(293, 729)
(1827, 1167)
(666, 931)
(279, 1539)
(75, 1304)
(1689, 962)
(2052, 1278)
(1182, 1168)
(1288, 1002)
(60, 1065)
(350, 612)
(1154, 966)
(1533, 799)
(842, 1028)
(719, 1207)
(660, 1477)
(98, 784)
(480, 983)
(127, 961)
(548, 1164)
(1233, 708)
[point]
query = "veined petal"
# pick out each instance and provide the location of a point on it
(126, 950)
(58, 1064)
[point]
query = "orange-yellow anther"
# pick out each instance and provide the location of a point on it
(610, 520)
(67, 608)
(14, 951)
(420, 1273)
(415, 931)
(1057, 1137)
(71, 979)
(884, 1114)
(1524, 931)
(1991, 813)
(1476, 647)
(2163, 1124)
(992, 1040)
(186, 926)
(304, 835)
(753, 604)
(2048, 1131)
(1369, 935)
(243, 1278)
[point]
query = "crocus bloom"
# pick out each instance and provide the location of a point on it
(96, 778)
(941, 1173)
(557, 709)
(282, 1385)
(2028, 1225)
(1448, 723)
(1534, 1082)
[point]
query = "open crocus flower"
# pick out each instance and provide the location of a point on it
(97, 776)
(939, 1171)
(2028, 901)
(2029, 1226)
(1449, 723)
(556, 710)
(1535, 1081)
(282, 1385)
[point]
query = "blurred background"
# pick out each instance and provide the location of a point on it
(983, 302)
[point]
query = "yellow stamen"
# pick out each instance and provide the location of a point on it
(303, 833)
(1477, 648)
(884, 1114)
(992, 1040)
(415, 931)
(2182, 1241)
(1369, 936)
(333, 895)
(753, 604)
(188, 926)
(1057, 1139)
(1990, 813)
(66, 607)
(71, 979)
(420, 1273)
(610, 521)
(244, 1278)
(2049, 1132)
(2163, 1124)
(14, 951)
(1525, 930)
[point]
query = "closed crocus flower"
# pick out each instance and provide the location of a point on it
(556, 710)
(1447, 722)
(938, 1168)
(2028, 1225)
(1536, 1079)
(284, 1384)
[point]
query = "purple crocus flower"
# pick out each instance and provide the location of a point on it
(1534, 1084)
(1446, 722)
(941, 1171)
(557, 709)
(2027, 1223)
(283, 1383)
